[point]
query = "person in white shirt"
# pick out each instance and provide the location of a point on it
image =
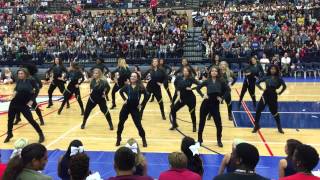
(264, 61)
(285, 64)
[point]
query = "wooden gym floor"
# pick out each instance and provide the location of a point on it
(59, 130)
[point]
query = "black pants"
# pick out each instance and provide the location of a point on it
(15, 108)
(69, 91)
(210, 106)
(115, 89)
(190, 102)
(134, 111)
(36, 108)
(270, 99)
(250, 85)
(156, 91)
(53, 85)
(166, 87)
(227, 99)
(103, 107)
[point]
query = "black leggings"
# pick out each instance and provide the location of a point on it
(270, 99)
(15, 108)
(53, 85)
(211, 106)
(134, 111)
(250, 85)
(166, 87)
(69, 91)
(36, 108)
(227, 99)
(190, 102)
(115, 89)
(103, 108)
(157, 93)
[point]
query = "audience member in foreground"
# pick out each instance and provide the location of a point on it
(191, 149)
(141, 163)
(124, 163)
(245, 157)
(74, 148)
(79, 166)
(178, 162)
(226, 163)
(33, 159)
(2, 168)
(305, 159)
(286, 167)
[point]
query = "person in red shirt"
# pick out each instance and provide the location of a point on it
(305, 159)
(2, 168)
(153, 6)
(179, 163)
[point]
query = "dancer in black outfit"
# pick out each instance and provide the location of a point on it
(230, 78)
(23, 96)
(252, 72)
(216, 89)
(76, 78)
(57, 70)
(184, 91)
(132, 106)
(105, 71)
(98, 88)
(32, 69)
(167, 69)
(185, 63)
(270, 96)
(154, 85)
(121, 75)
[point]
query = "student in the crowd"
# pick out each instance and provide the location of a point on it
(124, 163)
(141, 163)
(286, 167)
(33, 159)
(79, 167)
(305, 159)
(178, 168)
(2, 167)
(226, 164)
(191, 149)
(6, 77)
(74, 148)
(245, 157)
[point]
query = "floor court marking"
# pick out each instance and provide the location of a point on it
(285, 112)
(252, 121)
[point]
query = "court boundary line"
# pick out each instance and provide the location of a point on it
(284, 112)
(252, 121)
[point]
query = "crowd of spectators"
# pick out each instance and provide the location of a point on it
(271, 28)
(28, 160)
(87, 36)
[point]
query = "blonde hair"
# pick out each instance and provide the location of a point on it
(100, 77)
(178, 160)
(122, 63)
(228, 71)
(139, 157)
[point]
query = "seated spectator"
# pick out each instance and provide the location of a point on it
(264, 61)
(191, 149)
(245, 157)
(305, 159)
(2, 168)
(124, 164)
(141, 163)
(226, 163)
(6, 76)
(286, 167)
(178, 163)
(33, 159)
(74, 148)
(18, 146)
(79, 166)
(285, 64)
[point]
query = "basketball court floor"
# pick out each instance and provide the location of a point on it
(299, 108)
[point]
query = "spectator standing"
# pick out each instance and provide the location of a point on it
(285, 64)
(264, 61)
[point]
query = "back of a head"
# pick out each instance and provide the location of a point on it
(185, 144)
(178, 160)
(306, 157)
(292, 144)
(124, 159)
(248, 154)
(74, 143)
(79, 166)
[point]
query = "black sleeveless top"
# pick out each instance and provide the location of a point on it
(289, 170)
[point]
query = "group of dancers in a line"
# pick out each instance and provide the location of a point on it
(217, 80)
